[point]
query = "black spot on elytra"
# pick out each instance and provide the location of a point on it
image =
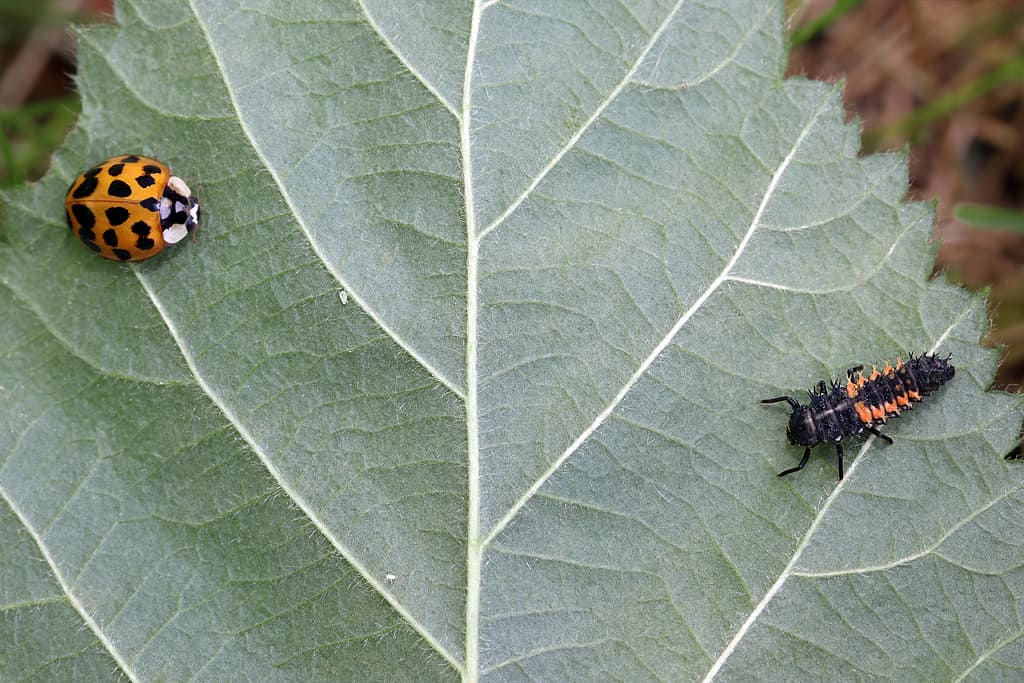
(122, 254)
(110, 237)
(145, 180)
(93, 172)
(88, 236)
(150, 168)
(119, 188)
(150, 204)
(87, 187)
(130, 159)
(92, 245)
(84, 216)
(115, 169)
(141, 229)
(67, 216)
(116, 215)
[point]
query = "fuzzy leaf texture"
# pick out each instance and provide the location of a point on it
(460, 377)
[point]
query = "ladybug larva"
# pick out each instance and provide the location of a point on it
(861, 403)
(128, 207)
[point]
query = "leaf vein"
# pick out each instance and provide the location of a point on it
(292, 493)
(101, 636)
(372, 22)
(790, 567)
(275, 174)
(598, 112)
(667, 339)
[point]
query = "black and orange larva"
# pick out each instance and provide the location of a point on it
(861, 403)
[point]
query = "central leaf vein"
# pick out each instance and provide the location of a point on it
(474, 548)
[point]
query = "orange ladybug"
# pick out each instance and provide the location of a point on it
(128, 207)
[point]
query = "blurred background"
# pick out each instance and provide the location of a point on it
(943, 79)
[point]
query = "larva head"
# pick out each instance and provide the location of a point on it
(801, 429)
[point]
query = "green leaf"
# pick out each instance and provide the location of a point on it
(460, 377)
(987, 216)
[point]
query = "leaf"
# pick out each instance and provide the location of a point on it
(986, 216)
(460, 377)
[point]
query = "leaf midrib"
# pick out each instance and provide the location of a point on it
(474, 548)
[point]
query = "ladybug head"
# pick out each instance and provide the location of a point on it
(179, 210)
(801, 429)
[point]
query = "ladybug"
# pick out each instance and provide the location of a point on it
(128, 207)
(861, 403)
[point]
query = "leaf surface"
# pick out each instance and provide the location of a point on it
(460, 377)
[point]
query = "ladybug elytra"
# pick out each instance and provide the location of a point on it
(128, 207)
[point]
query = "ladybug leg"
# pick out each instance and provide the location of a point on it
(788, 399)
(880, 435)
(856, 368)
(803, 461)
(839, 457)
